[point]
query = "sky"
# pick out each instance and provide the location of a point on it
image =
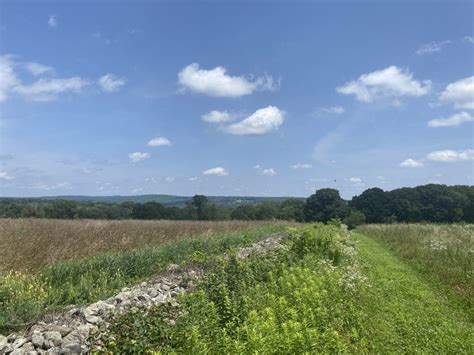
(247, 98)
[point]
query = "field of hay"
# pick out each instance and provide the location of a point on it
(29, 245)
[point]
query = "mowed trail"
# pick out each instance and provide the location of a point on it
(403, 312)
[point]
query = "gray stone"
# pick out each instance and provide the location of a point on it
(52, 339)
(37, 339)
(27, 347)
(19, 342)
(74, 348)
(3, 340)
(63, 330)
(74, 338)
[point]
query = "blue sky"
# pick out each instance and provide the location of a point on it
(243, 98)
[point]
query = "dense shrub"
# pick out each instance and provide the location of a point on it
(299, 299)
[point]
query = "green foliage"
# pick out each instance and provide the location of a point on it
(24, 297)
(442, 253)
(325, 205)
(295, 300)
(355, 219)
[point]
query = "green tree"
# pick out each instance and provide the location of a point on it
(373, 203)
(325, 205)
(355, 218)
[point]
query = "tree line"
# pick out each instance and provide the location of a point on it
(430, 203)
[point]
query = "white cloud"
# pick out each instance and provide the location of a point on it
(468, 39)
(411, 163)
(269, 172)
(452, 121)
(139, 189)
(432, 47)
(355, 180)
(38, 69)
(4, 176)
(337, 110)
(49, 89)
(461, 93)
(44, 89)
(52, 21)
(448, 155)
(169, 179)
(192, 178)
(388, 82)
(159, 141)
(218, 116)
(218, 171)
(138, 156)
(8, 77)
(260, 122)
(301, 166)
(110, 82)
(216, 82)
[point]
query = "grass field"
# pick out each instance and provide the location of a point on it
(379, 289)
(29, 245)
(328, 292)
(111, 258)
(443, 254)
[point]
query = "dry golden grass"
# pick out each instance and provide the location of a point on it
(32, 244)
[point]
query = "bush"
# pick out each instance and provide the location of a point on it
(355, 219)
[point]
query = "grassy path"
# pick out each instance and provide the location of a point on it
(403, 312)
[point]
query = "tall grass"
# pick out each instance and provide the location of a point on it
(26, 296)
(444, 253)
(29, 245)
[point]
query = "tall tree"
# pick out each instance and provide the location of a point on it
(325, 205)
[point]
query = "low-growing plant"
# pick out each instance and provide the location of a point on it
(23, 297)
(294, 300)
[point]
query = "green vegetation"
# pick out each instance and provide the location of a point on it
(403, 312)
(24, 297)
(443, 254)
(427, 203)
(318, 294)
(299, 299)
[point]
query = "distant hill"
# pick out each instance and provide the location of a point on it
(170, 200)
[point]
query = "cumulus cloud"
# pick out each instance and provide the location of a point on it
(460, 93)
(468, 39)
(391, 82)
(260, 122)
(269, 172)
(110, 82)
(193, 178)
(450, 156)
(218, 117)
(4, 176)
(218, 171)
(49, 89)
(53, 21)
(355, 180)
(169, 179)
(138, 156)
(301, 166)
(452, 121)
(44, 89)
(432, 47)
(411, 163)
(216, 82)
(38, 69)
(336, 110)
(159, 141)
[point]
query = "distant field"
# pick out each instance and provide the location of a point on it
(443, 253)
(32, 244)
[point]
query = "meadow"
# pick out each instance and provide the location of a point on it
(442, 253)
(328, 291)
(398, 288)
(30, 244)
(79, 262)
